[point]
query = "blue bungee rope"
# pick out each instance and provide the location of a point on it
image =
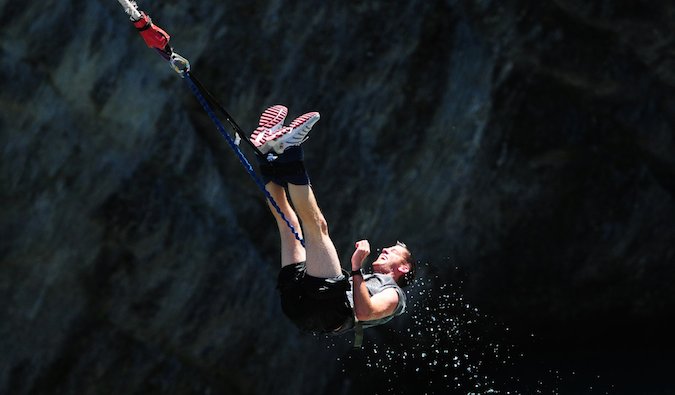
(158, 39)
(202, 100)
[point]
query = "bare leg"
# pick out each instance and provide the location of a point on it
(322, 258)
(291, 249)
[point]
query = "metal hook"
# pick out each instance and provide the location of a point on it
(179, 64)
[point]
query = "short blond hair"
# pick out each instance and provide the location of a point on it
(409, 277)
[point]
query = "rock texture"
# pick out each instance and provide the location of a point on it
(528, 143)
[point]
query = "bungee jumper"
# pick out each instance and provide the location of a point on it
(317, 295)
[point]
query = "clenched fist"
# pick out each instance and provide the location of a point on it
(360, 254)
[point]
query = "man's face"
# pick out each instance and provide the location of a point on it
(390, 259)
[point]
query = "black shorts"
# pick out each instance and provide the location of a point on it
(315, 304)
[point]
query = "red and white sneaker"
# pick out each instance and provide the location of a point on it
(294, 134)
(270, 122)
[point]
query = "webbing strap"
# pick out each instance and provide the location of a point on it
(210, 98)
(200, 97)
(358, 335)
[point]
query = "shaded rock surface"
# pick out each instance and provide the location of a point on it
(528, 143)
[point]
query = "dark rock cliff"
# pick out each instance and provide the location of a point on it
(528, 143)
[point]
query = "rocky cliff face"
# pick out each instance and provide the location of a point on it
(528, 143)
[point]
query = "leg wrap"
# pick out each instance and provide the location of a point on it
(284, 173)
(286, 168)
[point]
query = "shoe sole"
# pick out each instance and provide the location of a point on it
(306, 121)
(271, 121)
(300, 127)
(295, 134)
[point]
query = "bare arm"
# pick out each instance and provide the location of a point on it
(367, 308)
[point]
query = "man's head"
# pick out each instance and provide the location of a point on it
(398, 262)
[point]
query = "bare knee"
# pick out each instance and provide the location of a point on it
(323, 226)
(319, 225)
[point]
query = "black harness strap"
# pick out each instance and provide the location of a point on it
(358, 335)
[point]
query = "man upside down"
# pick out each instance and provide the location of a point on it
(317, 295)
